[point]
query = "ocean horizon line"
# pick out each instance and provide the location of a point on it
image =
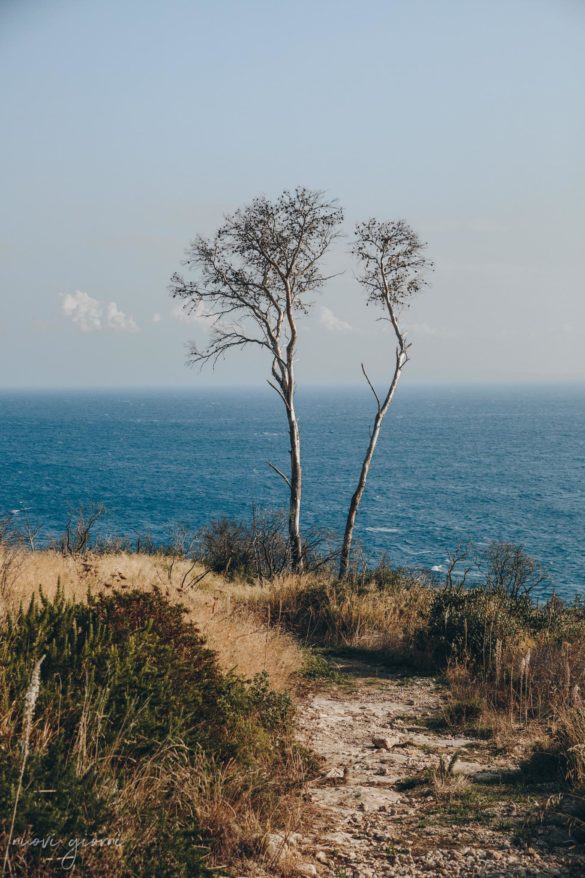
(577, 383)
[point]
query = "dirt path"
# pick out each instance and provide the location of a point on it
(373, 815)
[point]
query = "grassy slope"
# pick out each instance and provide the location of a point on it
(515, 672)
(241, 642)
(232, 796)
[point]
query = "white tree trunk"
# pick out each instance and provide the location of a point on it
(296, 484)
(366, 463)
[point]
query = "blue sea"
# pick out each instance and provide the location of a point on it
(453, 465)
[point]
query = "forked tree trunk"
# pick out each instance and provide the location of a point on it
(382, 408)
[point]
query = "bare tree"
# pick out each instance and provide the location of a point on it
(76, 538)
(254, 277)
(511, 570)
(463, 554)
(393, 266)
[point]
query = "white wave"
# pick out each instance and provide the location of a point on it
(384, 530)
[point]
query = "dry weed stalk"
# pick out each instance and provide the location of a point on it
(444, 780)
(30, 700)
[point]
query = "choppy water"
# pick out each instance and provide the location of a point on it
(452, 465)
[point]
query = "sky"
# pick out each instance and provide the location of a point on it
(129, 127)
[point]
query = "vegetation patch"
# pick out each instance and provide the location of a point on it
(318, 666)
(140, 747)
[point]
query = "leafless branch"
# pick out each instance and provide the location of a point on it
(280, 473)
(372, 388)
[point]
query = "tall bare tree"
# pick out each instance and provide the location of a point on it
(393, 267)
(254, 278)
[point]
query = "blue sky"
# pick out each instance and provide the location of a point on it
(131, 125)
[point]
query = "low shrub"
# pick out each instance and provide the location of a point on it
(461, 713)
(255, 550)
(136, 731)
(258, 549)
(465, 624)
(519, 656)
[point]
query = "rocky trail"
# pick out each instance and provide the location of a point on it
(397, 797)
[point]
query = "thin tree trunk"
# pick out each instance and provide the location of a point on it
(382, 408)
(296, 474)
(296, 483)
(284, 386)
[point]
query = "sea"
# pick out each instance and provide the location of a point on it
(455, 466)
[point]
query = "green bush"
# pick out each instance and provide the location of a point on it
(464, 624)
(128, 691)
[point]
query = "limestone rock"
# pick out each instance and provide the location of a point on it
(385, 743)
(308, 870)
(275, 846)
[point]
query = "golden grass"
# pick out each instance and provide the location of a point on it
(570, 738)
(319, 610)
(242, 642)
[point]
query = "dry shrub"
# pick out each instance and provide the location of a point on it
(77, 538)
(540, 677)
(255, 550)
(569, 741)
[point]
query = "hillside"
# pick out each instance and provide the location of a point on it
(368, 730)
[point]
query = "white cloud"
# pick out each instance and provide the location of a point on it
(156, 318)
(198, 316)
(91, 315)
(83, 310)
(332, 322)
(119, 321)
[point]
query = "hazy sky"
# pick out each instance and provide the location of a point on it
(130, 125)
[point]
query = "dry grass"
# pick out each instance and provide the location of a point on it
(535, 678)
(12, 557)
(235, 813)
(242, 642)
(444, 781)
(319, 610)
(569, 737)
